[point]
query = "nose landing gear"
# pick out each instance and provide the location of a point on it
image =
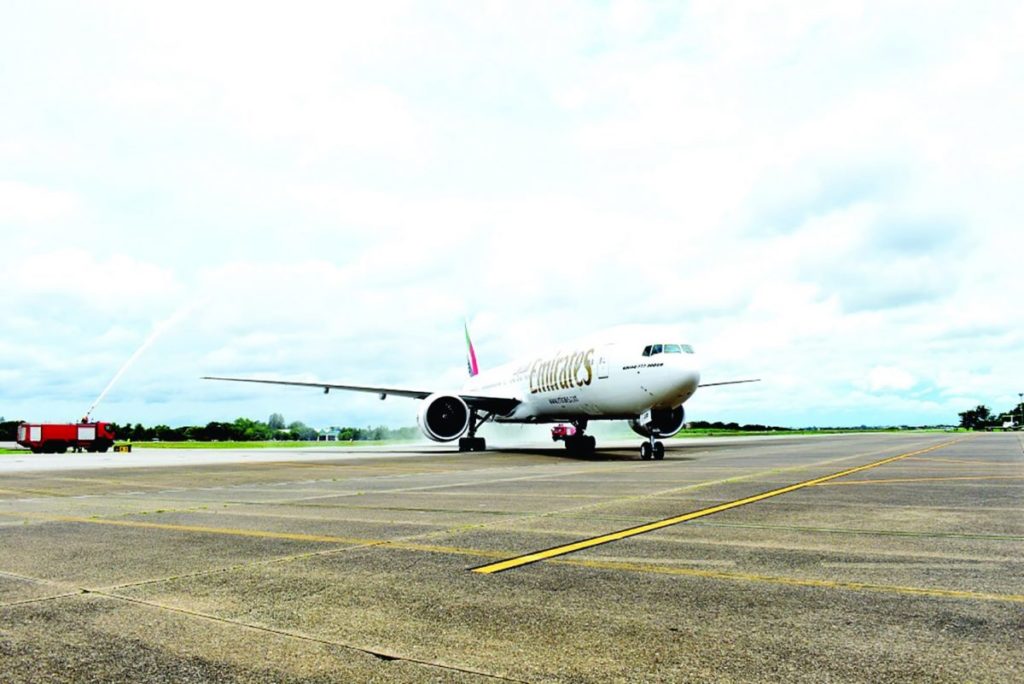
(652, 449)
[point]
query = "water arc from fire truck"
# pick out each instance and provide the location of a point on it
(159, 329)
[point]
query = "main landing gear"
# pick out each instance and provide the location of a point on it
(652, 449)
(579, 443)
(471, 442)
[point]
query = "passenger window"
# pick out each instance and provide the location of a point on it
(672, 349)
(647, 350)
(655, 349)
(687, 348)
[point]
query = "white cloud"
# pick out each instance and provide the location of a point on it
(93, 280)
(882, 378)
(22, 203)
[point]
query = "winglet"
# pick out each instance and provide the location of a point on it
(474, 368)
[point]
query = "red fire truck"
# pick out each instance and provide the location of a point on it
(57, 438)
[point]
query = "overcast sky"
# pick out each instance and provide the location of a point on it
(825, 195)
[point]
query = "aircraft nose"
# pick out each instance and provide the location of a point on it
(686, 367)
(685, 375)
(690, 377)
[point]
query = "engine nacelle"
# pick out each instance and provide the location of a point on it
(443, 417)
(664, 423)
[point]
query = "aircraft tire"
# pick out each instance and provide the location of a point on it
(580, 445)
(472, 444)
(645, 451)
(659, 451)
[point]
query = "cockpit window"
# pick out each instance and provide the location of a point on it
(652, 349)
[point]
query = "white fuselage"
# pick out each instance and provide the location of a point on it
(607, 377)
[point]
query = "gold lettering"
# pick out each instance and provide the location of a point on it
(588, 364)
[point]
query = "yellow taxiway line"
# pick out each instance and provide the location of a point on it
(793, 581)
(591, 542)
(960, 461)
(199, 529)
(902, 480)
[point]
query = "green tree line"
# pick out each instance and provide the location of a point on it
(981, 417)
(736, 427)
(241, 430)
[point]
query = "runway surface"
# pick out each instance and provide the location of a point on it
(873, 557)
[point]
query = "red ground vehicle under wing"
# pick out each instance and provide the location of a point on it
(562, 431)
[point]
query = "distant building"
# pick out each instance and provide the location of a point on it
(328, 434)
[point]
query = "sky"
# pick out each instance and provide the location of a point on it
(825, 195)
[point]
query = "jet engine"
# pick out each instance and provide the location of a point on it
(663, 423)
(443, 417)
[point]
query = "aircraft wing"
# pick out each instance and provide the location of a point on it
(500, 405)
(728, 382)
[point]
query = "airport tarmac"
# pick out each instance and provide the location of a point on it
(862, 557)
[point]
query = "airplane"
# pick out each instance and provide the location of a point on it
(641, 374)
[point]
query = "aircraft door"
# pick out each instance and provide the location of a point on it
(602, 367)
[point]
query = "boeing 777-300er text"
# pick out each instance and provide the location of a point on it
(642, 375)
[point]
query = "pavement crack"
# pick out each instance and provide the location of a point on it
(40, 599)
(41, 581)
(27, 578)
(379, 655)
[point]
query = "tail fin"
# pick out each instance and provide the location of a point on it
(470, 353)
